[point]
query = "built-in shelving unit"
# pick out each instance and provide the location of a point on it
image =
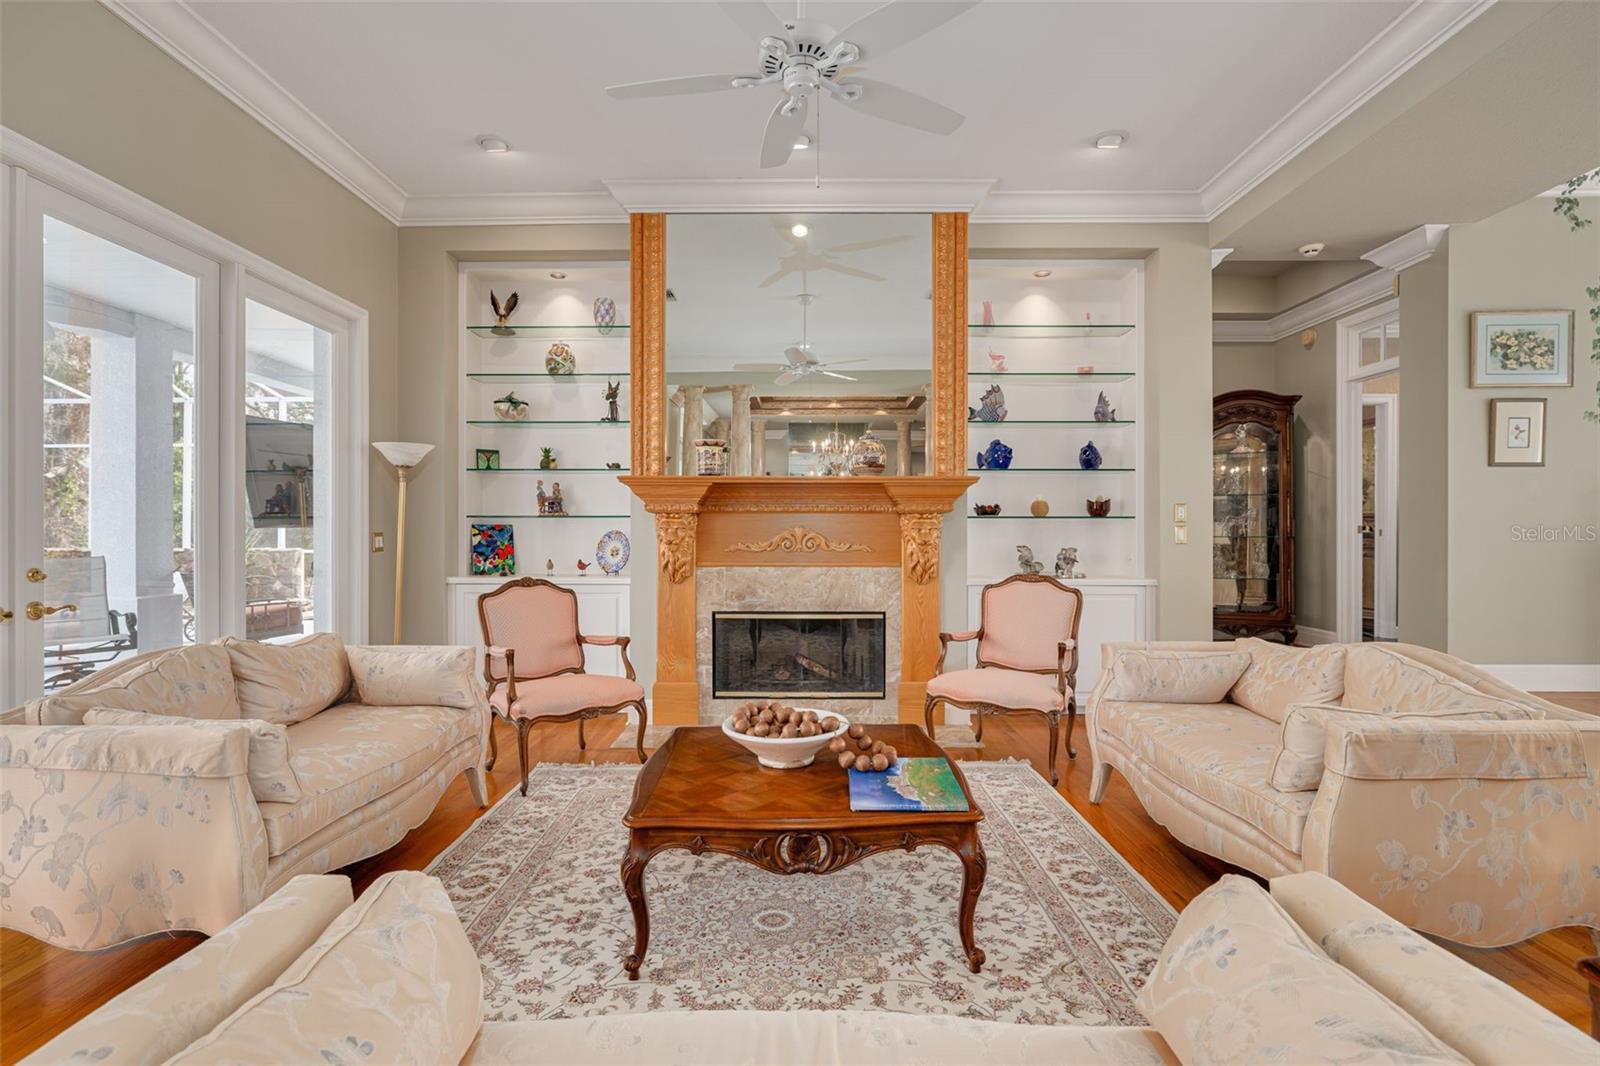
(567, 412)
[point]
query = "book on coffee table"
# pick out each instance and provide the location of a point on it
(913, 784)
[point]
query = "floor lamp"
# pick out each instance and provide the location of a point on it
(404, 457)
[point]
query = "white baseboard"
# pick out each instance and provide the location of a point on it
(1309, 636)
(1549, 677)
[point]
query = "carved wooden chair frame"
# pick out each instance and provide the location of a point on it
(524, 725)
(1066, 672)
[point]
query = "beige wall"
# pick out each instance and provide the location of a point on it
(1243, 366)
(76, 79)
(1178, 380)
(1498, 582)
(1424, 493)
(1243, 295)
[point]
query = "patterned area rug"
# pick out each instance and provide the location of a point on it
(1070, 930)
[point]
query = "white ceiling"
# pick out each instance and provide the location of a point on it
(389, 96)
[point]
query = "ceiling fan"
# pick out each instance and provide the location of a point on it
(806, 57)
(802, 361)
(799, 258)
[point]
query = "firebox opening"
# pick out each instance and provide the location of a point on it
(823, 654)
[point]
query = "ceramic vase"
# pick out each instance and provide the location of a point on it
(605, 314)
(710, 457)
(1039, 507)
(559, 360)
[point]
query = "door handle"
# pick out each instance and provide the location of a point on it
(37, 610)
(35, 575)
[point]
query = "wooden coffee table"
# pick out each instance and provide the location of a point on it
(702, 792)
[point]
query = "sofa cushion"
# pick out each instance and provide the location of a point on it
(1279, 675)
(187, 998)
(1239, 981)
(1298, 765)
(1219, 752)
(565, 694)
(352, 754)
(400, 675)
(271, 776)
(1174, 677)
(1381, 679)
(392, 979)
(288, 683)
(993, 684)
(189, 682)
(1486, 1020)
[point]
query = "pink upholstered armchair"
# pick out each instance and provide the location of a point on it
(534, 664)
(1027, 658)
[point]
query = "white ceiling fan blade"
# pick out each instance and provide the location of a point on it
(694, 83)
(755, 20)
(893, 104)
(861, 246)
(778, 144)
(886, 28)
(854, 272)
(798, 356)
(842, 362)
(764, 368)
(841, 377)
(788, 377)
(775, 277)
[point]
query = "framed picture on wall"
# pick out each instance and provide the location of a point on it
(1521, 348)
(1516, 432)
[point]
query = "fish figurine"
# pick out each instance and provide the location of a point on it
(1103, 411)
(1089, 457)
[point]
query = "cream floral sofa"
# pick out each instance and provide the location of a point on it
(180, 788)
(1459, 805)
(1307, 974)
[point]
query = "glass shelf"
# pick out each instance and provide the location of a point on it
(591, 331)
(546, 470)
(288, 473)
(1047, 517)
(1050, 422)
(540, 376)
(543, 422)
(1059, 329)
(552, 517)
(1052, 376)
(1049, 470)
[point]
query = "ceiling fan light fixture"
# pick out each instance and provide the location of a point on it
(558, 275)
(1111, 140)
(799, 229)
(492, 144)
(801, 143)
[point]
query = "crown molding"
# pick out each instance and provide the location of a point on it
(1218, 255)
(513, 209)
(1378, 285)
(1091, 206)
(1405, 42)
(1408, 249)
(737, 195)
(177, 30)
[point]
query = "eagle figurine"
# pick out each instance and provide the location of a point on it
(502, 313)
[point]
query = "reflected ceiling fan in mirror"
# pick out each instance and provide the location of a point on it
(800, 258)
(805, 58)
(802, 361)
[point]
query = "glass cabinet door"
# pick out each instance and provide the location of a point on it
(1246, 480)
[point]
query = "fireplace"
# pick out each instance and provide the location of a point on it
(820, 654)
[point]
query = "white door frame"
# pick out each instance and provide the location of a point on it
(1348, 400)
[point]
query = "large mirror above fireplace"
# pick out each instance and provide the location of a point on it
(801, 341)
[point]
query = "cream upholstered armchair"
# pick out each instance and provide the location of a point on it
(1027, 658)
(534, 664)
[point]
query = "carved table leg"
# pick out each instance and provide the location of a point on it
(974, 867)
(1054, 721)
(633, 865)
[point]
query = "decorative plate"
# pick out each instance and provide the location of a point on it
(612, 552)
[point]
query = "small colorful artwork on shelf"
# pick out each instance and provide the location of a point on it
(493, 551)
(1103, 411)
(559, 360)
(605, 315)
(613, 390)
(1067, 563)
(612, 551)
(991, 406)
(1025, 561)
(547, 458)
(1098, 507)
(997, 361)
(502, 314)
(997, 456)
(550, 503)
(486, 459)
(510, 408)
(1089, 457)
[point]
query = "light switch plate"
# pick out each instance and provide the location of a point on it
(1180, 534)
(1180, 513)
(377, 541)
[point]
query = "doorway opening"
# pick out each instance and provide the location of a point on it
(1367, 474)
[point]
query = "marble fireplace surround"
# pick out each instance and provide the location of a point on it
(880, 533)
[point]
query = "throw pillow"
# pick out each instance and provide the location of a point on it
(272, 779)
(193, 681)
(1239, 981)
(1153, 676)
(1279, 675)
(288, 683)
(427, 675)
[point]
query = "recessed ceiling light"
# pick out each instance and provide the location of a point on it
(558, 275)
(880, 412)
(786, 412)
(799, 229)
(801, 143)
(1312, 250)
(1041, 273)
(835, 403)
(492, 144)
(1111, 139)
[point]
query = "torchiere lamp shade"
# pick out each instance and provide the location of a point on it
(402, 453)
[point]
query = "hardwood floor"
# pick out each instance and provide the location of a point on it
(43, 989)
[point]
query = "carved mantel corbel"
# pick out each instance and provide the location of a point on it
(919, 545)
(675, 535)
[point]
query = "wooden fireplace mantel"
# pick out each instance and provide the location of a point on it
(771, 521)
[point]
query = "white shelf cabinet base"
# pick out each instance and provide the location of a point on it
(602, 611)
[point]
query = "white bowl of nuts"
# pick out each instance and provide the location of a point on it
(781, 736)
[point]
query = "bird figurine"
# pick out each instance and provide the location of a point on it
(582, 566)
(550, 568)
(501, 314)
